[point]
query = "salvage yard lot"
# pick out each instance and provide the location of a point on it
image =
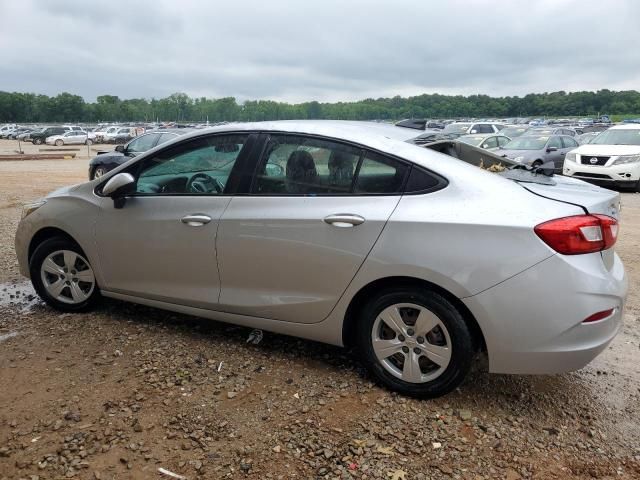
(128, 389)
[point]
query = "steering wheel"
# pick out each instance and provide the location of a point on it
(203, 183)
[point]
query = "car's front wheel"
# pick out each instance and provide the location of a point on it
(59, 143)
(415, 341)
(62, 276)
(37, 141)
(88, 141)
(98, 172)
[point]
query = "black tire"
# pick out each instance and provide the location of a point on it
(41, 253)
(462, 343)
(98, 172)
(536, 163)
(37, 141)
(59, 143)
(88, 142)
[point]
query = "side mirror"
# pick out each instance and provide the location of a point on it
(120, 148)
(117, 187)
(552, 149)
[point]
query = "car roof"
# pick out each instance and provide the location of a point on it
(352, 131)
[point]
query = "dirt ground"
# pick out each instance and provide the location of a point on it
(124, 391)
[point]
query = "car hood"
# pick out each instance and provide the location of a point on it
(61, 192)
(526, 154)
(609, 150)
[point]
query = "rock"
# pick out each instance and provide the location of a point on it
(464, 414)
(231, 394)
(277, 449)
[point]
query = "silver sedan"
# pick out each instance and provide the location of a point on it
(344, 233)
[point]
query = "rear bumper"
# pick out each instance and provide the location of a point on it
(532, 323)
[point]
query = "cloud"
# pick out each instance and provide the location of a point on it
(325, 50)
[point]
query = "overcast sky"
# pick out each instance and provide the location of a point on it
(328, 50)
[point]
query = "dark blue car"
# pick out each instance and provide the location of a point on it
(107, 161)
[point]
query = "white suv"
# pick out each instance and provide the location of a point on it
(612, 158)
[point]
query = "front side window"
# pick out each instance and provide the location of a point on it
(569, 142)
(490, 142)
(482, 128)
(200, 167)
(554, 142)
(502, 141)
(143, 143)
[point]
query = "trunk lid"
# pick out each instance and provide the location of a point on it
(592, 198)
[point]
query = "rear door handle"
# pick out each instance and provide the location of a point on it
(196, 220)
(343, 220)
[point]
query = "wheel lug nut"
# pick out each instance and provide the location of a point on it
(401, 338)
(405, 349)
(420, 340)
(410, 332)
(417, 351)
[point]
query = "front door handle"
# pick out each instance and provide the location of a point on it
(344, 220)
(196, 220)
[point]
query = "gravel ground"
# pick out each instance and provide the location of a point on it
(127, 390)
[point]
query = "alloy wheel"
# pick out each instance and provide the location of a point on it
(67, 277)
(411, 343)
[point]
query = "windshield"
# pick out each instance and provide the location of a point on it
(457, 128)
(618, 137)
(527, 143)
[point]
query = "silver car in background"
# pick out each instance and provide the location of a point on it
(344, 233)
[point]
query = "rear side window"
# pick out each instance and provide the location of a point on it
(554, 142)
(379, 174)
(482, 128)
(421, 181)
(569, 142)
(295, 165)
(165, 137)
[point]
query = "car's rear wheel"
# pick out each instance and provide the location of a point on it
(98, 172)
(59, 143)
(415, 341)
(62, 276)
(537, 163)
(88, 141)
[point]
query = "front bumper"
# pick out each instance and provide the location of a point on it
(625, 175)
(532, 323)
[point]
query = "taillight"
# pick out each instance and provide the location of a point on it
(579, 234)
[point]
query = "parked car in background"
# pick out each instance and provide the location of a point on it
(433, 136)
(73, 137)
(573, 132)
(488, 142)
(610, 159)
(22, 135)
(464, 128)
(537, 150)
(40, 137)
(112, 133)
(105, 162)
(513, 131)
(318, 229)
(4, 129)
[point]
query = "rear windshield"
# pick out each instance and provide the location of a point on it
(618, 137)
(527, 143)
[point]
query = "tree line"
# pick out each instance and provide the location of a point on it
(65, 107)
